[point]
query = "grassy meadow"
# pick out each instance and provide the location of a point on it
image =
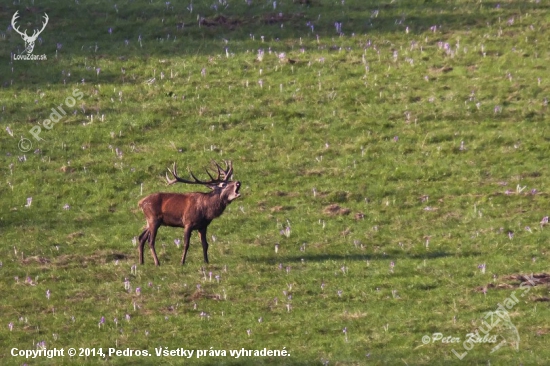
(394, 152)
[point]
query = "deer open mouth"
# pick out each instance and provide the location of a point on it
(237, 188)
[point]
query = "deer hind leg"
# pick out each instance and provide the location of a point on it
(152, 236)
(142, 238)
(202, 235)
(186, 239)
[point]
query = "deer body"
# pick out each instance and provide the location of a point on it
(191, 211)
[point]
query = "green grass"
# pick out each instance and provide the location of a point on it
(436, 137)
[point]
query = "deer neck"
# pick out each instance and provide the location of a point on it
(216, 204)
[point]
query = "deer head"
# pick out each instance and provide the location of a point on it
(29, 40)
(222, 184)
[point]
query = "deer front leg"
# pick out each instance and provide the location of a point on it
(186, 238)
(202, 235)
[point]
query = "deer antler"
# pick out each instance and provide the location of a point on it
(224, 175)
(227, 173)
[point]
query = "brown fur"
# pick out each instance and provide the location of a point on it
(191, 211)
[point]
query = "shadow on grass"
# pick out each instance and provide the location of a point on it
(323, 257)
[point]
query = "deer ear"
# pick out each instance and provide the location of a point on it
(217, 185)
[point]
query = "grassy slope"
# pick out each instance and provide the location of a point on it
(372, 120)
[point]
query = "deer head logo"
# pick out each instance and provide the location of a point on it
(29, 40)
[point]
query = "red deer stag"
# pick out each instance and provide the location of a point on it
(191, 211)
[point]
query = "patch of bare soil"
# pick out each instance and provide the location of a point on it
(220, 20)
(441, 69)
(515, 281)
(77, 234)
(281, 208)
(35, 259)
(199, 294)
(83, 261)
(334, 210)
(537, 278)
